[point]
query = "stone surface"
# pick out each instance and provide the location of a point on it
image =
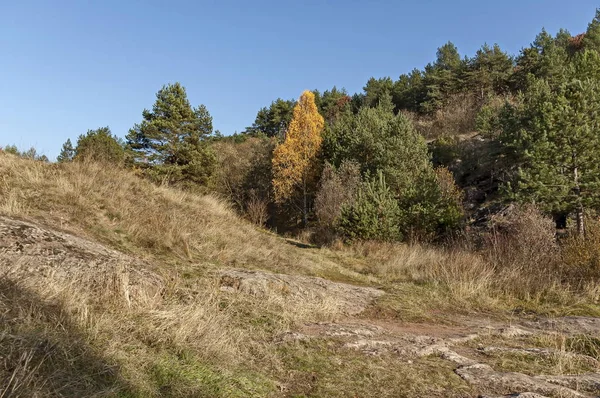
(30, 251)
(350, 299)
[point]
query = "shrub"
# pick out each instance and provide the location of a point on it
(243, 173)
(487, 121)
(431, 207)
(31, 153)
(101, 146)
(456, 117)
(257, 209)
(445, 150)
(374, 215)
(336, 188)
(522, 242)
(581, 255)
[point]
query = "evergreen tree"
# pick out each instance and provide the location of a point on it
(430, 206)
(67, 153)
(378, 140)
(546, 58)
(332, 103)
(373, 215)
(170, 143)
(376, 89)
(409, 91)
(554, 133)
(441, 78)
(99, 145)
(274, 120)
(489, 72)
(591, 40)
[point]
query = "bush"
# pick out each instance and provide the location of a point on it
(445, 150)
(100, 146)
(243, 173)
(31, 153)
(456, 117)
(487, 121)
(581, 255)
(336, 189)
(374, 215)
(431, 207)
(522, 242)
(257, 209)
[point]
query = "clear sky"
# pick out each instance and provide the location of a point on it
(70, 66)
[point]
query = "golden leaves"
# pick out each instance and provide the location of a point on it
(295, 159)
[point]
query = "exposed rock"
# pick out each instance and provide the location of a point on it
(568, 325)
(31, 252)
(482, 374)
(540, 352)
(513, 331)
(402, 341)
(588, 382)
(349, 299)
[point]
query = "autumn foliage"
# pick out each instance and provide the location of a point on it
(295, 161)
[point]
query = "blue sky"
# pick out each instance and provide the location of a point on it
(70, 66)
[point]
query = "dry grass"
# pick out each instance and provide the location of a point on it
(81, 335)
(137, 217)
(457, 278)
(547, 354)
(155, 323)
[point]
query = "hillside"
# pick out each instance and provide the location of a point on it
(112, 286)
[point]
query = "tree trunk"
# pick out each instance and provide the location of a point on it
(305, 207)
(579, 208)
(580, 222)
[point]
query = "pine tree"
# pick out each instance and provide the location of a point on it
(101, 146)
(554, 133)
(170, 141)
(373, 215)
(591, 39)
(409, 91)
(378, 140)
(489, 71)
(274, 120)
(67, 153)
(442, 77)
(295, 162)
(376, 89)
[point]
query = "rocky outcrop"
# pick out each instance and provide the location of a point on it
(350, 299)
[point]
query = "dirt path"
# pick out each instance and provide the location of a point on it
(551, 357)
(472, 348)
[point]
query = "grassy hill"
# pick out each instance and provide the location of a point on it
(112, 286)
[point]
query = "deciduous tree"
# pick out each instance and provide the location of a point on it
(295, 162)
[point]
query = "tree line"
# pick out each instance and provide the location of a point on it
(398, 161)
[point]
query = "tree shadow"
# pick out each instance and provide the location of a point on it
(43, 354)
(300, 244)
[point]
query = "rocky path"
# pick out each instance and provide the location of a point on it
(466, 347)
(474, 346)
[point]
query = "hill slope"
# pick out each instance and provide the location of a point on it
(114, 287)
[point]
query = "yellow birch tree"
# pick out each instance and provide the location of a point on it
(295, 160)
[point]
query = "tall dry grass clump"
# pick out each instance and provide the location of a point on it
(517, 259)
(463, 274)
(523, 249)
(131, 214)
(581, 255)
